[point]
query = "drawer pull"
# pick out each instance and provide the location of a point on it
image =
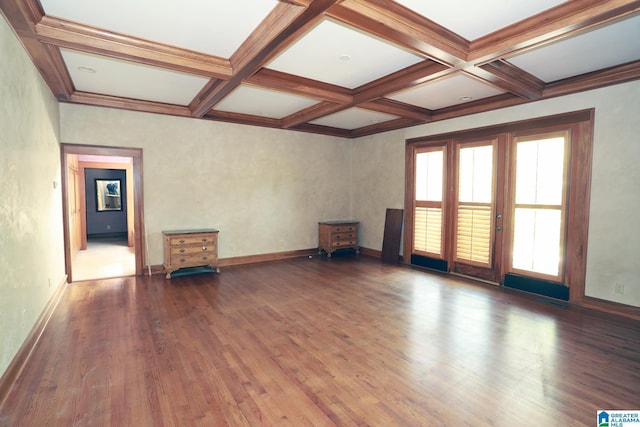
(181, 240)
(204, 257)
(204, 248)
(204, 239)
(181, 259)
(181, 251)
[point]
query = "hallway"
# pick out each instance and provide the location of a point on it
(104, 258)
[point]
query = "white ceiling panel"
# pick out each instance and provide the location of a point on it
(600, 48)
(106, 76)
(341, 55)
(216, 27)
(326, 51)
(473, 18)
(354, 118)
(446, 92)
(263, 102)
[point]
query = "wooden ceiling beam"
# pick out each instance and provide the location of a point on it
(410, 76)
(84, 38)
(397, 108)
(324, 130)
(384, 127)
(403, 27)
(594, 80)
(58, 71)
(310, 113)
(129, 104)
(283, 25)
(51, 67)
(245, 119)
(414, 75)
(589, 81)
(486, 58)
(303, 3)
(23, 16)
(297, 85)
(509, 77)
(478, 106)
(555, 24)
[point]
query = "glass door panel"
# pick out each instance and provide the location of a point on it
(539, 206)
(475, 209)
(428, 203)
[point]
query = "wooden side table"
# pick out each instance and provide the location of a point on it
(336, 235)
(190, 248)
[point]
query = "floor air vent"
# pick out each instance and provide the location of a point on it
(537, 286)
(423, 261)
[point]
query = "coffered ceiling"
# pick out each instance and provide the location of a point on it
(347, 68)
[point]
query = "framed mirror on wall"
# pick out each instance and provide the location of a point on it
(108, 195)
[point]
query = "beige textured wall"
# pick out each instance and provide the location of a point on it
(31, 241)
(378, 183)
(264, 189)
(614, 228)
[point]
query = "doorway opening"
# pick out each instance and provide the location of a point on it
(103, 213)
(104, 257)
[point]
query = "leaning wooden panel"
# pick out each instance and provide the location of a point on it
(392, 235)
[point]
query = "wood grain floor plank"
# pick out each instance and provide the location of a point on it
(319, 342)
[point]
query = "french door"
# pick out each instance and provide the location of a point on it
(477, 208)
(456, 209)
(492, 205)
(538, 205)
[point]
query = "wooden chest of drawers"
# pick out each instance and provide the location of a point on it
(335, 235)
(190, 248)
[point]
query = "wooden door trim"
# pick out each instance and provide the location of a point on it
(138, 197)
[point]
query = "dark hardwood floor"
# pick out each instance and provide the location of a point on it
(345, 341)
